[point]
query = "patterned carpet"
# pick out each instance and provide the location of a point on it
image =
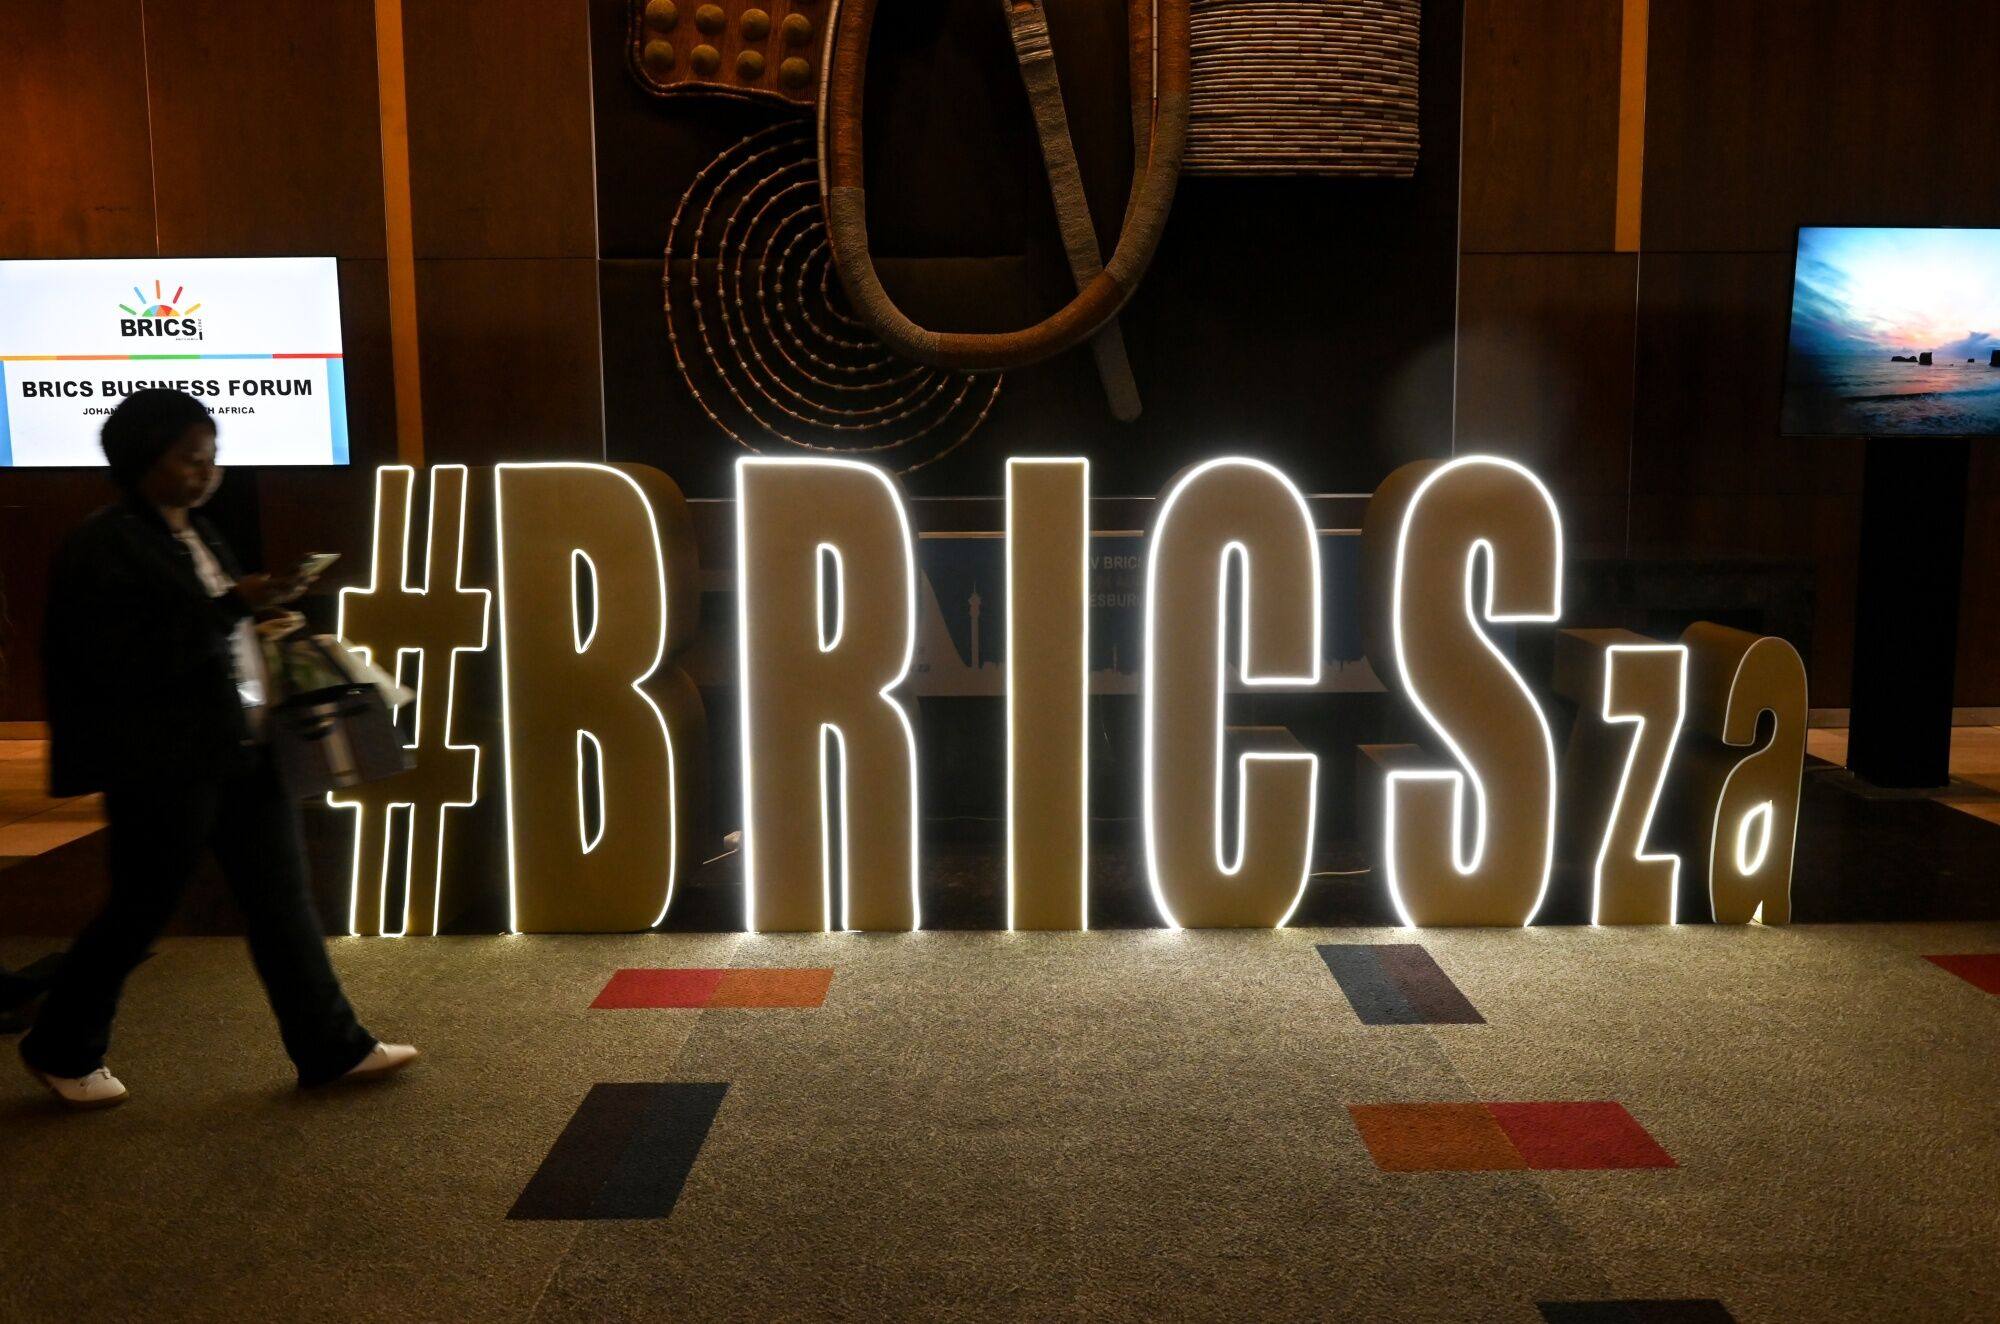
(1561, 1124)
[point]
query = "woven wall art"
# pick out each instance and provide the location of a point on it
(762, 333)
(1304, 87)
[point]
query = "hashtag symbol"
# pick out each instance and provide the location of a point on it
(418, 633)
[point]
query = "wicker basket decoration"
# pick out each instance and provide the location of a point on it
(1304, 87)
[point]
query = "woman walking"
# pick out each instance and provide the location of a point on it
(156, 690)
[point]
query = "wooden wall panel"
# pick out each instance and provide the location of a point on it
(1979, 604)
(511, 364)
(38, 508)
(330, 510)
(1545, 376)
(74, 157)
(1711, 475)
(266, 133)
(1540, 170)
(1764, 116)
(500, 129)
(503, 209)
(1820, 530)
(1712, 330)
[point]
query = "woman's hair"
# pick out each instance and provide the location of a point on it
(144, 426)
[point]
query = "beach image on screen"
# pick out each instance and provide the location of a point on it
(1895, 332)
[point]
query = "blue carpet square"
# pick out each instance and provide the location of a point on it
(626, 1153)
(1397, 983)
(1692, 1311)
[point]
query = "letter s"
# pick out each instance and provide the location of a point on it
(1428, 530)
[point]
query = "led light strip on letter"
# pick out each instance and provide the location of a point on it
(394, 619)
(1631, 698)
(1429, 530)
(815, 689)
(1240, 516)
(1749, 836)
(1048, 693)
(1645, 686)
(606, 686)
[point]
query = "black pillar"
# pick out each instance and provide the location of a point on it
(1906, 610)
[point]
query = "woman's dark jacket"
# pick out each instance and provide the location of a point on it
(136, 655)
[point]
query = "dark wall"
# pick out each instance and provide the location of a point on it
(1645, 385)
(1305, 320)
(1315, 322)
(1760, 119)
(501, 213)
(196, 128)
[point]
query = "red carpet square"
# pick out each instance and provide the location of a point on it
(1434, 1137)
(1979, 969)
(771, 988)
(659, 988)
(1579, 1135)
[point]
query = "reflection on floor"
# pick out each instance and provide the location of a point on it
(30, 821)
(1148, 1125)
(1975, 766)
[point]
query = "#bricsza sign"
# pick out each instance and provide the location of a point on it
(593, 601)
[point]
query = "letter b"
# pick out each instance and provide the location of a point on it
(597, 593)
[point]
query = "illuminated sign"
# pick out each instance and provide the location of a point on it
(596, 573)
(1471, 842)
(826, 626)
(255, 339)
(421, 632)
(1240, 519)
(1048, 694)
(601, 732)
(1627, 681)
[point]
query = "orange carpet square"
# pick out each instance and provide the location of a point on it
(771, 988)
(1434, 1137)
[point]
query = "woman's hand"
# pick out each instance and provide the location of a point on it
(265, 590)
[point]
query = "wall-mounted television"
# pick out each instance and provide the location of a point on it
(256, 339)
(1895, 333)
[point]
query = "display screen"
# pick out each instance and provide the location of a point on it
(1895, 333)
(257, 340)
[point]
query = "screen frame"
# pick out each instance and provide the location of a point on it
(1791, 307)
(340, 306)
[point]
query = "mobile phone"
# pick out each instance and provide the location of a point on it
(314, 564)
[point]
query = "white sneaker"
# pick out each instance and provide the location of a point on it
(382, 1060)
(99, 1089)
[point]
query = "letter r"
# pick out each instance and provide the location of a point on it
(826, 590)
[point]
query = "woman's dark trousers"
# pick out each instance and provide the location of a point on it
(156, 836)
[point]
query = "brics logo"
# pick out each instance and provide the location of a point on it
(160, 316)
